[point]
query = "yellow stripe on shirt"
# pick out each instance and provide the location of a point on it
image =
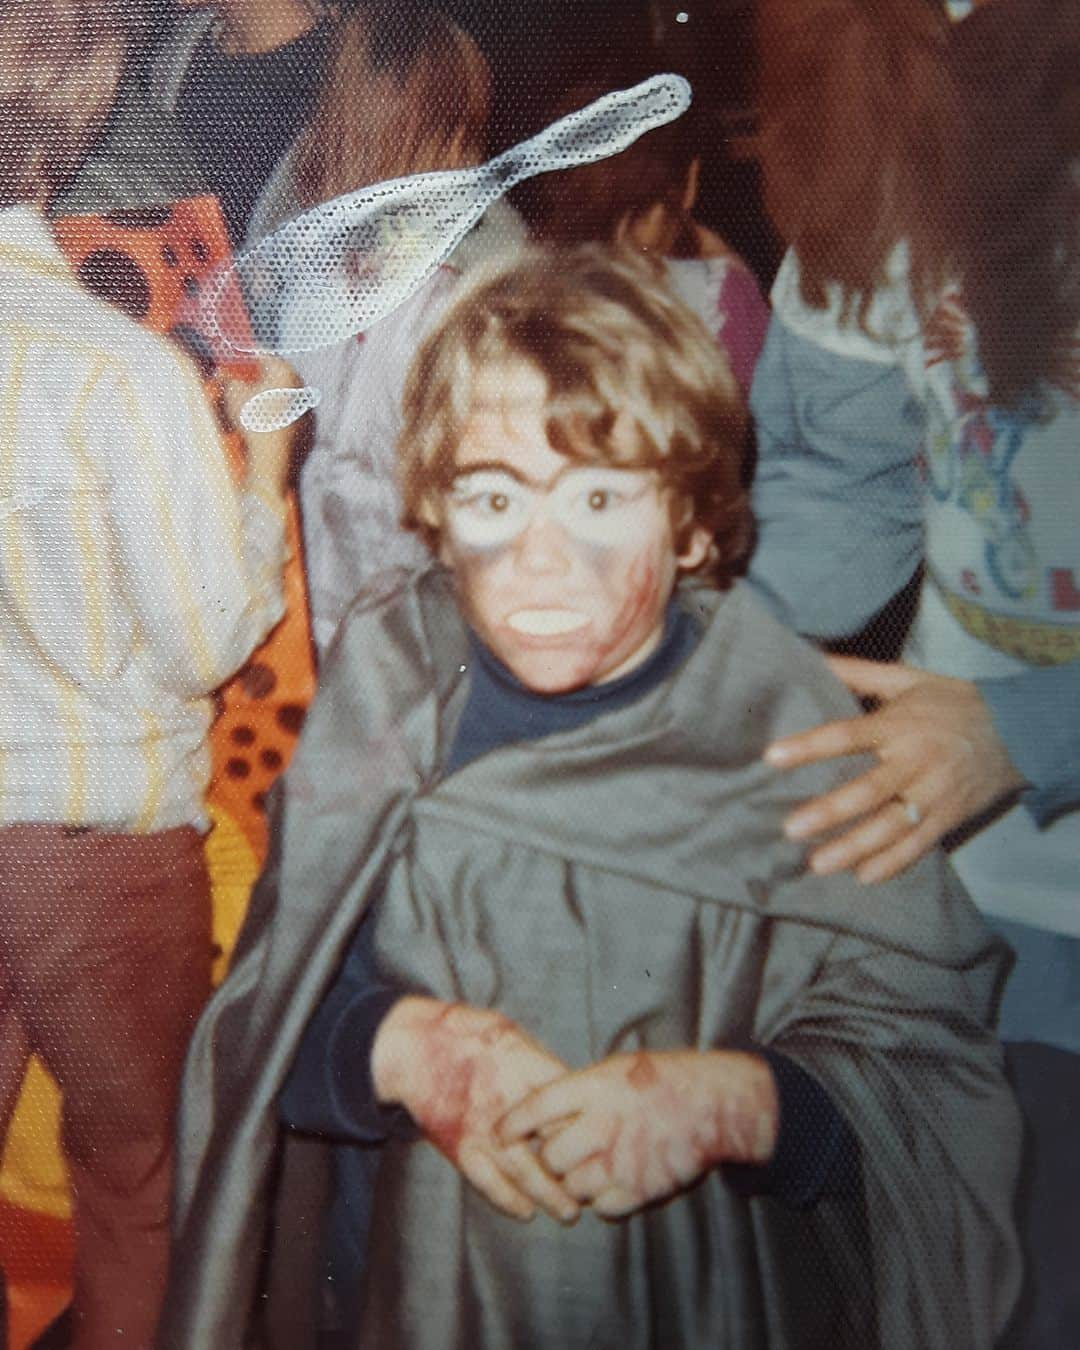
(196, 637)
(216, 469)
(93, 564)
(155, 772)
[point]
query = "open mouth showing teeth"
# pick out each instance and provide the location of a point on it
(546, 622)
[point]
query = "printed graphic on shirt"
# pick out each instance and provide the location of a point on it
(1001, 547)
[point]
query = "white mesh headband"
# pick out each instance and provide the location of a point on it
(336, 269)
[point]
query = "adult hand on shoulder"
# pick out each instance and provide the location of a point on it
(638, 1127)
(457, 1069)
(941, 762)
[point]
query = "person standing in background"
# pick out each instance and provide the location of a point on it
(135, 577)
(918, 402)
(405, 93)
(239, 79)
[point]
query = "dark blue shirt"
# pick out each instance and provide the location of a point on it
(241, 113)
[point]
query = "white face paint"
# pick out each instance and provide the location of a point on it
(594, 504)
(563, 569)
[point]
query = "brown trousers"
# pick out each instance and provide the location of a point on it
(105, 949)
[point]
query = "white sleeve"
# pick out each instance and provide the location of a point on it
(199, 557)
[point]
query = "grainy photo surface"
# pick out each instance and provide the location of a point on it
(539, 674)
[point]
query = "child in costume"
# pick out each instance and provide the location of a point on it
(531, 923)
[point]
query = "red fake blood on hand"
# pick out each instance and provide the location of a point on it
(460, 1077)
(444, 1113)
(647, 1152)
(642, 1072)
(745, 1123)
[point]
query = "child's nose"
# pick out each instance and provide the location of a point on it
(542, 548)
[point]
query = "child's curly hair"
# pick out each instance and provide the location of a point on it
(634, 381)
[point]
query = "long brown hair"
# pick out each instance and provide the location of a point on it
(881, 122)
(60, 63)
(403, 93)
(856, 104)
(1016, 187)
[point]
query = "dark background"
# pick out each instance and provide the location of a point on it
(537, 45)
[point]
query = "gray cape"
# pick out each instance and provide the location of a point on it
(619, 886)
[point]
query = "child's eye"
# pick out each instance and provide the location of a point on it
(599, 499)
(497, 502)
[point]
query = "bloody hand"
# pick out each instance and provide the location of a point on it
(457, 1070)
(637, 1128)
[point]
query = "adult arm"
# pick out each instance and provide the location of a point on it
(836, 494)
(1036, 714)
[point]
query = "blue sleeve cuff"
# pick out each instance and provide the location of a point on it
(1037, 715)
(816, 1150)
(330, 1089)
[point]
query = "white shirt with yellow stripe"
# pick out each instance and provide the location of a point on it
(135, 576)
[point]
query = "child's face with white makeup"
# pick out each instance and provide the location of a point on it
(563, 568)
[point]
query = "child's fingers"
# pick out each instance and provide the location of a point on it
(480, 1170)
(616, 1203)
(577, 1143)
(522, 1165)
(588, 1181)
(542, 1109)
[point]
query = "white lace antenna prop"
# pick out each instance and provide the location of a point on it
(274, 409)
(338, 268)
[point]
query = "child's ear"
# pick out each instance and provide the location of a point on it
(444, 553)
(693, 182)
(695, 550)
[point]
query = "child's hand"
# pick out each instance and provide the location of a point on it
(235, 392)
(457, 1070)
(268, 453)
(637, 1128)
